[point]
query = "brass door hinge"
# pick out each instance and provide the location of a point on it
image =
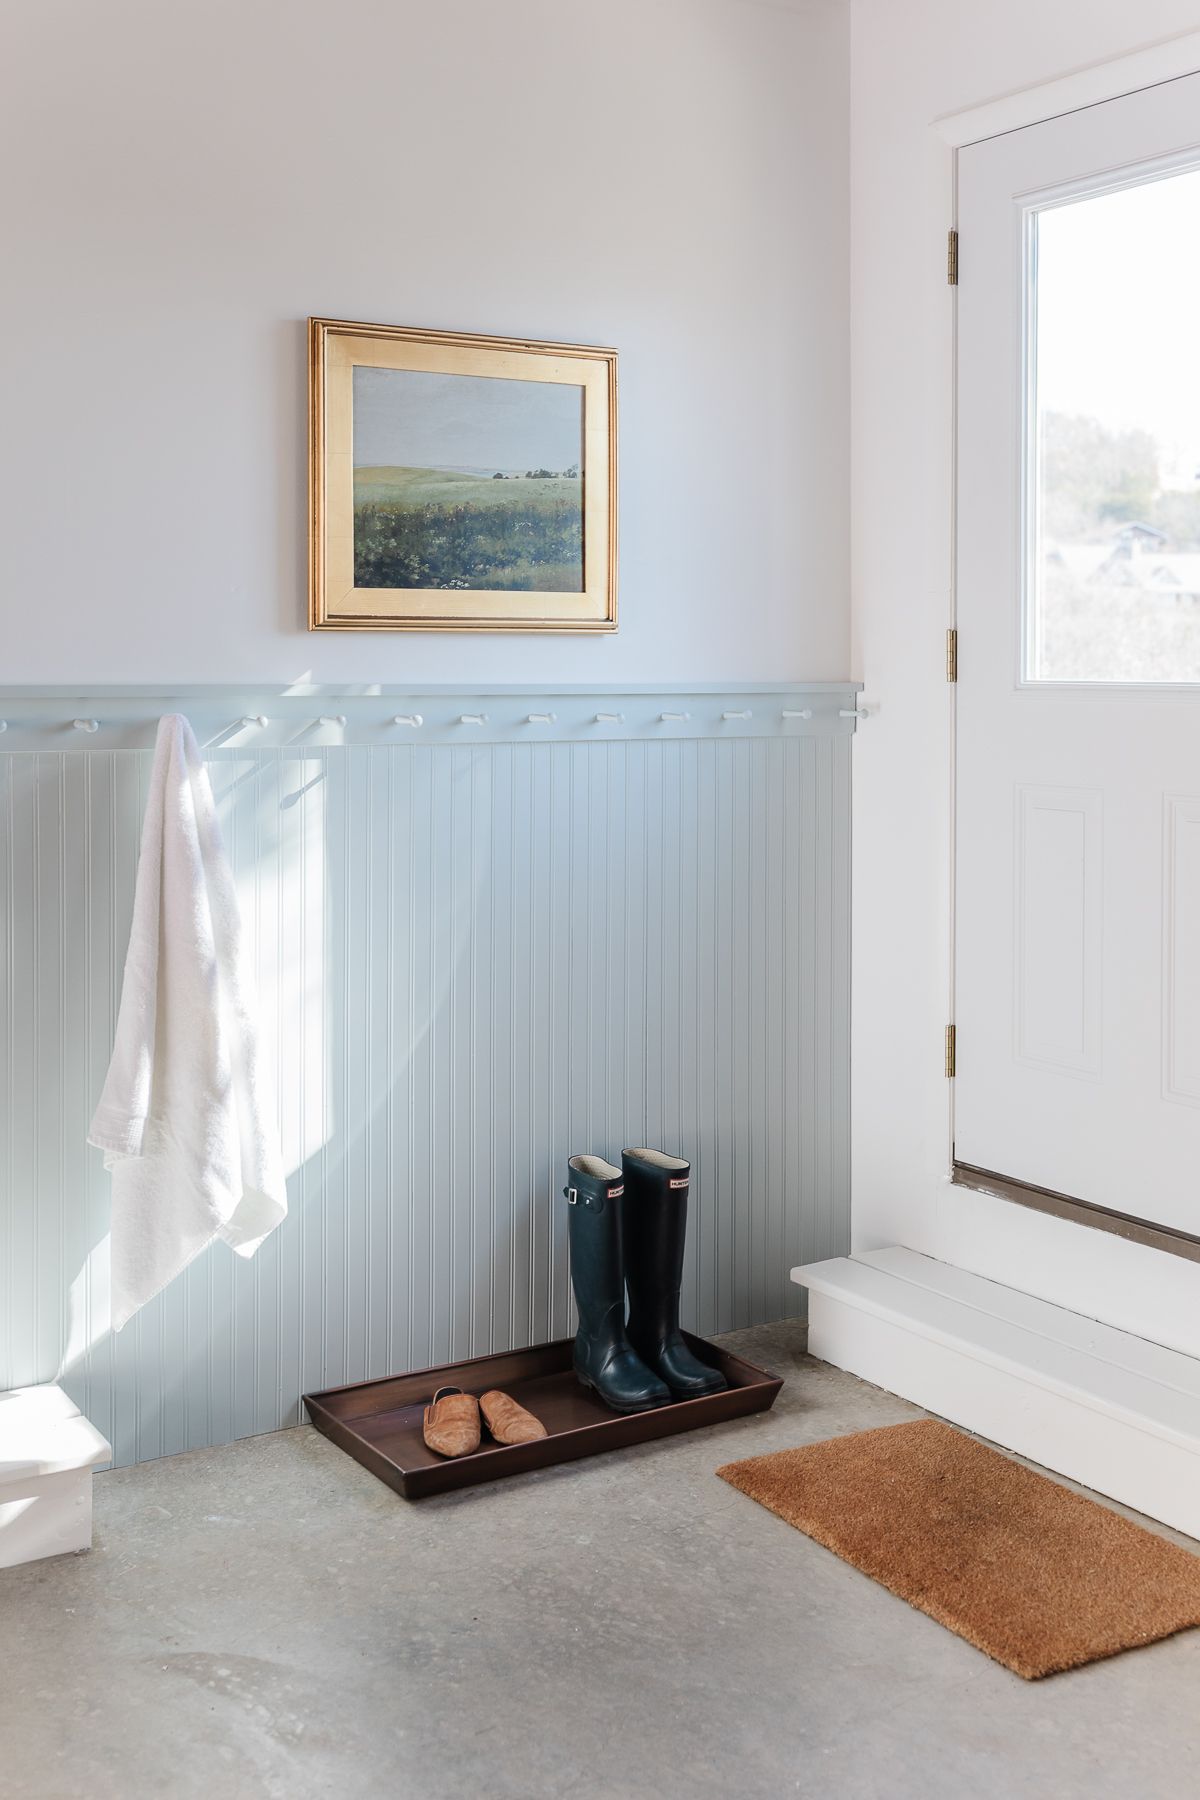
(949, 1053)
(952, 257)
(952, 654)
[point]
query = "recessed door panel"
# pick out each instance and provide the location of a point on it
(1058, 927)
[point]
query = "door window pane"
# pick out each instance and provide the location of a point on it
(1113, 551)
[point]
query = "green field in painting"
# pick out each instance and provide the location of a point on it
(449, 487)
(439, 528)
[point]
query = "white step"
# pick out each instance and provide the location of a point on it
(47, 1453)
(1113, 1411)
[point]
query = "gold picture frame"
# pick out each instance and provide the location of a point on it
(421, 516)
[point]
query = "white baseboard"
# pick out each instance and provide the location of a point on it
(1110, 1410)
(48, 1451)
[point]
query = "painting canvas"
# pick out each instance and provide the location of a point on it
(460, 483)
(467, 481)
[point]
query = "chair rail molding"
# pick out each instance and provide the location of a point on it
(298, 716)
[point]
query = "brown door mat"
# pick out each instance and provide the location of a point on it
(1039, 1577)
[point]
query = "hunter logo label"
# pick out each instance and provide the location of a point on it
(615, 1193)
(678, 1181)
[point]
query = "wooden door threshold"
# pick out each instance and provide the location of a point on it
(1079, 1212)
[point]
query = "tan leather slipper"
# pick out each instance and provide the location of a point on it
(508, 1422)
(451, 1424)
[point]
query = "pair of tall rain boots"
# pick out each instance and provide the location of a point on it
(627, 1230)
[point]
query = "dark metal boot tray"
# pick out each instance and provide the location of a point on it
(379, 1422)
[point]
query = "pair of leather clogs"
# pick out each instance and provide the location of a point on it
(452, 1421)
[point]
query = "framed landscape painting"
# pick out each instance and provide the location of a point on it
(460, 483)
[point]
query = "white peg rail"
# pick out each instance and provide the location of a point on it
(62, 719)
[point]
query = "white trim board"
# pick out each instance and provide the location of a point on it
(306, 720)
(1091, 86)
(1107, 1409)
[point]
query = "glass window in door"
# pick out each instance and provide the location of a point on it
(1112, 552)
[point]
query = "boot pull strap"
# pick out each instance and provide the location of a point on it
(594, 1202)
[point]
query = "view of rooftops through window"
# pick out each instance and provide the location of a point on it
(1114, 569)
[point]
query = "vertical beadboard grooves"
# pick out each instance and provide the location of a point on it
(474, 958)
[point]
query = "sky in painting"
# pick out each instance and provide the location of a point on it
(410, 419)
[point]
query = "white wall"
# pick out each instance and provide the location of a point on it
(188, 181)
(910, 65)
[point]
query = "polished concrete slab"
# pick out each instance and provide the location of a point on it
(269, 1620)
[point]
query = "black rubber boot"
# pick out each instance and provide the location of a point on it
(603, 1359)
(655, 1220)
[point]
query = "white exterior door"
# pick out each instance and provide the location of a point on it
(1077, 958)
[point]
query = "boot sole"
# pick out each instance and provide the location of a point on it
(646, 1405)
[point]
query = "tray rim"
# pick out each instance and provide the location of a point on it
(423, 1481)
(691, 1338)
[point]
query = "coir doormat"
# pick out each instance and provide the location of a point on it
(1040, 1578)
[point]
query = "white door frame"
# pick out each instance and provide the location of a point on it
(1124, 1282)
(1067, 93)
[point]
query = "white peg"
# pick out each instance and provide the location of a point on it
(853, 712)
(541, 719)
(805, 712)
(737, 715)
(408, 719)
(86, 724)
(673, 718)
(254, 719)
(472, 719)
(610, 718)
(333, 718)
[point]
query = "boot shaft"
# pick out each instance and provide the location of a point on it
(594, 1197)
(655, 1218)
(654, 1210)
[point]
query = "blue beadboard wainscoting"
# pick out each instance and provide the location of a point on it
(490, 930)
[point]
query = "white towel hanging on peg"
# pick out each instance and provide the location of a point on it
(185, 1120)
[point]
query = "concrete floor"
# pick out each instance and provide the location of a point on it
(269, 1620)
